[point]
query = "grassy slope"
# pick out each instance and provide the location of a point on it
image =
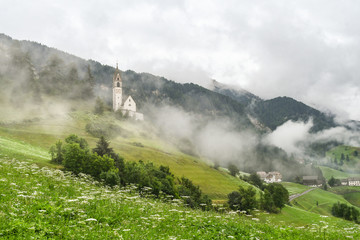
(216, 183)
(330, 172)
(49, 204)
(294, 188)
(353, 162)
(290, 215)
(324, 199)
(351, 194)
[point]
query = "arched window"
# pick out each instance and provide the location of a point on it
(118, 84)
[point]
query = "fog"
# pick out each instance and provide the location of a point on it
(216, 139)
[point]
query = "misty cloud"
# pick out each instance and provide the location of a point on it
(215, 139)
(294, 137)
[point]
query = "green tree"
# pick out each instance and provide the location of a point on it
(244, 199)
(57, 153)
(267, 202)
(255, 180)
(233, 169)
(72, 138)
(356, 153)
(331, 181)
(102, 147)
(279, 193)
(75, 158)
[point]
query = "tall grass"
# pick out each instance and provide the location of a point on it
(47, 203)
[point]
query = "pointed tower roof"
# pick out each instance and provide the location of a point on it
(117, 74)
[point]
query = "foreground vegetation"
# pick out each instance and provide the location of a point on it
(47, 203)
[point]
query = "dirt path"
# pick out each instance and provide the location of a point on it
(292, 197)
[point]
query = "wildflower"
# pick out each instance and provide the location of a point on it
(91, 220)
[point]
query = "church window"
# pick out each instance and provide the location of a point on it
(118, 84)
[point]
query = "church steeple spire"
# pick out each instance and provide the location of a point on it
(117, 89)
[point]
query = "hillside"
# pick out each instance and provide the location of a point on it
(240, 95)
(58, 205)
(275, 112)
(345, 158)
(50, 71)
(136, 142)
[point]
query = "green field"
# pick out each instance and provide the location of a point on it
(319, 201)
(294, 188)
(330, 172)
(353, 154)
(353, 198)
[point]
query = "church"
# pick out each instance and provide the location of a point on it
(128, 107)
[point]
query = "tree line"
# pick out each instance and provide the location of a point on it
(104, 165)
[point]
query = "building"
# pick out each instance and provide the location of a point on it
(344, 182)
(353, 181)
(128, 107)
(312, 181)
(270, 177)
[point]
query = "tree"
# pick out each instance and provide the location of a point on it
(255, 180)
(233, 169)
(102, 147)
(347, 158)
(356, 153)
(267, 202)
(243, 200)
(99, 106)
(331, 181)
(279, 193)
(57, 153)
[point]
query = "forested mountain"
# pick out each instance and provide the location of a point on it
(277, 111)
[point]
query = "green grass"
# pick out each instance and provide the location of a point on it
(354, 161)
(341, 190)
(353, 198)
(294, 188)
(44, 203)
(330, 172)
(319, 201)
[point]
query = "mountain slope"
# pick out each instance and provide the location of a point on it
(240, 95)
(277, 111)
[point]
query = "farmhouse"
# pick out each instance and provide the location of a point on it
(128, 107)
(353, 181)
(344, 182)
(312, 181)
(270, 177)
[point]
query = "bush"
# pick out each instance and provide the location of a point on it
(243, 200)
(274, 198)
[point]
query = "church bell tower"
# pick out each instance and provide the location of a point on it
(117, 89)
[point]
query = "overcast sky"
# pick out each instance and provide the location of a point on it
(308, 50)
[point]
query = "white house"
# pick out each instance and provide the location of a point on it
(354, 181)
(269, 177)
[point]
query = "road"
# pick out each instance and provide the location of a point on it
(292, 197)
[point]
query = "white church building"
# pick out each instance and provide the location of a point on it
(128, 106)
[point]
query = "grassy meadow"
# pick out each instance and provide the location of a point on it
(330, 172)
(41, 202)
